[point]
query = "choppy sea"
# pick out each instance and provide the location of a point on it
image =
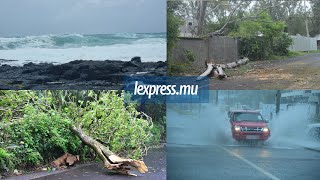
(68, 47)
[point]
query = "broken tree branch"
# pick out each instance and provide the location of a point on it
(207, 72)
(217, 69)
(221, 73)
(110, 160)
(242, 61)
(220, 31)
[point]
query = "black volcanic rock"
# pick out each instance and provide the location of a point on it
(136, 59)
(78, 74)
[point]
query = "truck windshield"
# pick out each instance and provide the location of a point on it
(246, 116)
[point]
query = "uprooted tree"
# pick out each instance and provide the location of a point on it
(39, 126)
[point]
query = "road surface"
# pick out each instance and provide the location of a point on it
(301, 72)
(155, 160)
(241, 162)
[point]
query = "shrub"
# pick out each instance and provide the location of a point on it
(262, 38)
(40, 137)
(281, 44)
(189, 55)
(5, 160)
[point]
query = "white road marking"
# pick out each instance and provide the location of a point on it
(251, 164)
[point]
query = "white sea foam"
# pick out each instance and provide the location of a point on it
(65, 48)
(147, 52)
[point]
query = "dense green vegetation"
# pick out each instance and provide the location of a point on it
(35, 125)
(262, 38)
(173, 24)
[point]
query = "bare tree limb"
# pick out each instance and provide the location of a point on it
(218, 32)
(207, 72)
(217, 69)
(110, 160)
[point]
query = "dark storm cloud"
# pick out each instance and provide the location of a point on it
(35, 17)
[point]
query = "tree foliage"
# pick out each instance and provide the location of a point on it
(173, 24)
(262, 38)
(315, 20)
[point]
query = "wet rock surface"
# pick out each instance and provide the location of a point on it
(78, 74)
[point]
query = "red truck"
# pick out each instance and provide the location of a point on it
(248, 125)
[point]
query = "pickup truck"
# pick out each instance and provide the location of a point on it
(248, 125)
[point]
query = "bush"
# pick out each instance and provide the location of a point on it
(5, 160)
(12, 103)
(281, 44)
(253, 48)
(189, 55)
(40, 137)
(262, 38)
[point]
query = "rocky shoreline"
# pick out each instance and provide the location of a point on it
(77, 75)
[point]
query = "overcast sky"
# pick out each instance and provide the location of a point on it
(38, 17)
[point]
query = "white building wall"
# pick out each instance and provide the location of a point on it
(302, 43)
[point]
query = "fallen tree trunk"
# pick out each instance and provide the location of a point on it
(110, 160)
(215, 72)
(221, 73)
(207, 72)
(232, 65)
(217, 69)
(242, 61)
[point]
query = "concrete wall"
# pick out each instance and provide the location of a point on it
(302, 43)
(219, 49)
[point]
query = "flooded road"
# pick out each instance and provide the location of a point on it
(200, 146)
(241, 162)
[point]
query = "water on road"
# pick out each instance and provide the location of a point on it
(200, 146)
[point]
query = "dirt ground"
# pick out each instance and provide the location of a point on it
(301, 72)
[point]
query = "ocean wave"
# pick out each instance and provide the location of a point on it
(153, 51)
(78, 40)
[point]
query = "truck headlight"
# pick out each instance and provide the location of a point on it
(237, 128)
(265, 129)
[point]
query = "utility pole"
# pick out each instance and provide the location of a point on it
(306, 20)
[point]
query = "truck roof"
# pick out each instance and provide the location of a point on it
(249, 111)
